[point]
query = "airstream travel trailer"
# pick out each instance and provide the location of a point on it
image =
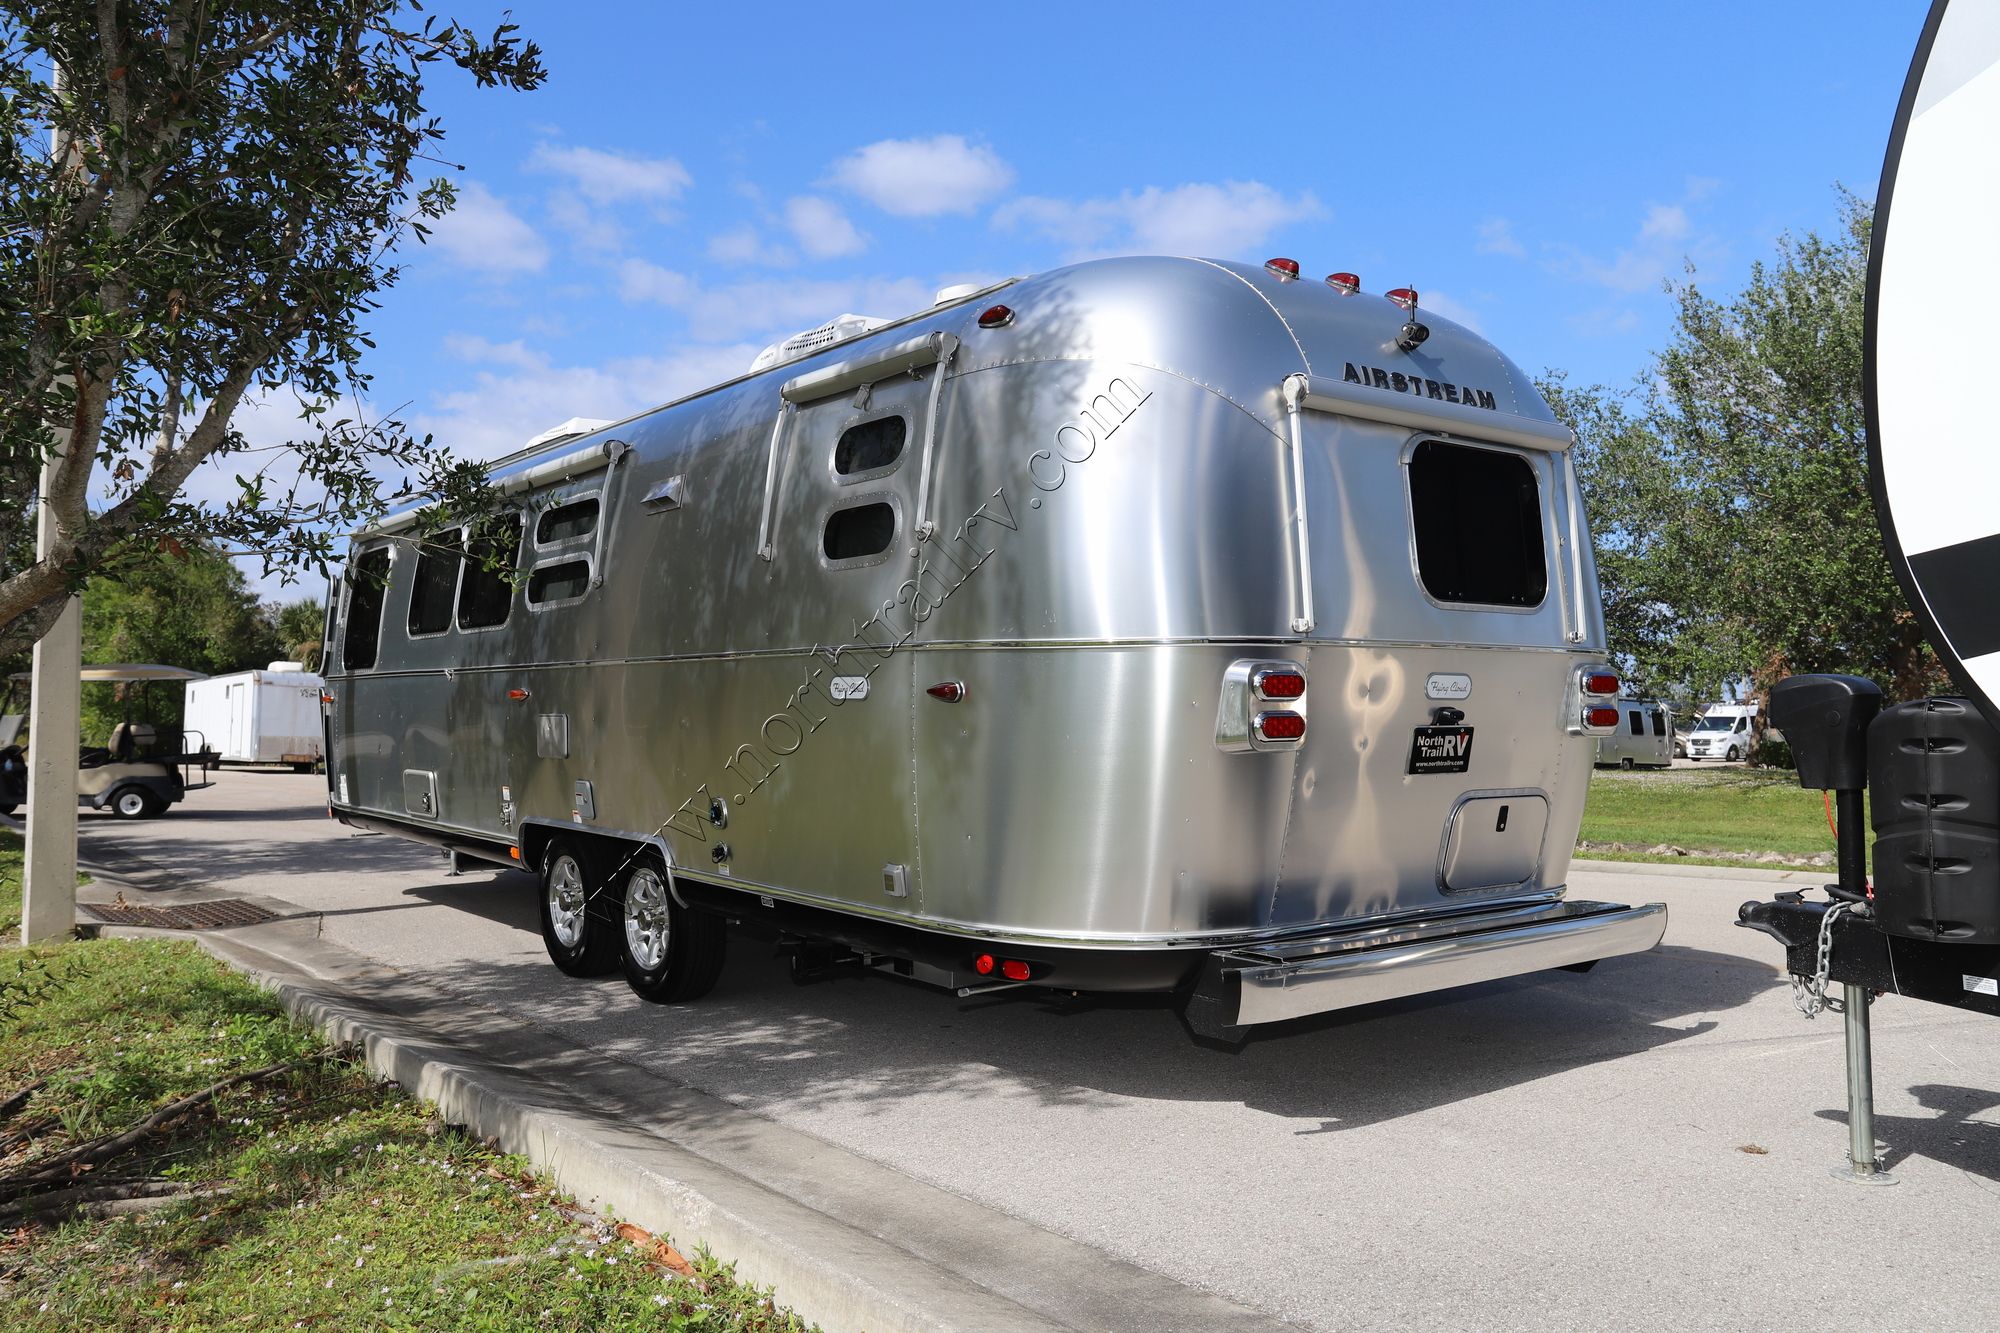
(1643, 738)
(1148, 625)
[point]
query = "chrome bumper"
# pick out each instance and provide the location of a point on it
(1244, 987)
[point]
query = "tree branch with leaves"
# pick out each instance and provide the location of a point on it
(201, 202)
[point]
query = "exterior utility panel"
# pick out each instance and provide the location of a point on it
(1094, 525)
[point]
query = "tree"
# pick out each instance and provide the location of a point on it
(193, 610)
(1736, 537)
(233, 180)
(297, 626)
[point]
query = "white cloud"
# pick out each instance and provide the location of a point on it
(643, 280)
(505, 407)
(609, 178)
(1496, 237)
(770, 307)
(1227, 220)
(1665, 241)
(742, 245)
(1451, 309)
(923, 177)
(471, 347)
(483, 233)
(822, 229)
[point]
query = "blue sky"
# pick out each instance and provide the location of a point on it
(694, 182)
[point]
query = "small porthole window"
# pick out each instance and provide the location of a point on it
(869, 446)
(562, 582)
(859, 531)
(567, 522)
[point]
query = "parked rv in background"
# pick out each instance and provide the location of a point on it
(1644, 737)
(1722, 733)
(259, 717)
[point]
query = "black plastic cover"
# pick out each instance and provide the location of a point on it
(1825, 720)
(1934, 768)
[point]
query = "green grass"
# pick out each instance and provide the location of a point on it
(339, 1203)
(1720, 817)
(10, 887)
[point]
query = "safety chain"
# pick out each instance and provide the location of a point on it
(1810, 995)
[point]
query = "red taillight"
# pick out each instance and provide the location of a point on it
(951, 691)
(1600, 682)
(517, 695)
(983, 965)
(1284, 268)
(1405, 297)
(996, 317)
(1277, 684)
(1602, 717)
(1279, 726)
(1014, 970)
(1347, 284)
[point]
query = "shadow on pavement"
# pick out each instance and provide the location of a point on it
(1950, 1138)
(872, 1041)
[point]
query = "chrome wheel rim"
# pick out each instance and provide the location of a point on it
(565, 893)
(646, 923)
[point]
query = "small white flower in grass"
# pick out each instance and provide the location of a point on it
(329, 1282)
(179, 1285)
(357, 1261)
(662, 1300)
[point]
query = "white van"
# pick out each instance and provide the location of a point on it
(1723, 733)
(1644, 737)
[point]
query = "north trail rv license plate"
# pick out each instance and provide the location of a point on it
(1441, 750)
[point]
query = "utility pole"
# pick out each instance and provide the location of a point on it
(48, 908)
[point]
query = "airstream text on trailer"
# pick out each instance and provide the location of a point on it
(1151, 624)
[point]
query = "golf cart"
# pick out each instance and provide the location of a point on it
(136, 774)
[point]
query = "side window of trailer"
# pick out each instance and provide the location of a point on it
(486, 591)
(1659, 723)
(559, 581)
(859, 533)
(870, 448)
(435, 585)
(1477, 517)
(1638, 721)
(368, 583)
(567, 522)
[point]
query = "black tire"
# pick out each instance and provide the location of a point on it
(1732, 754)
(8, 809)
(134, 803)
(1625, 763)
(670, 953)
(578, 927)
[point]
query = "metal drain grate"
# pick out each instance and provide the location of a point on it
(215, 914)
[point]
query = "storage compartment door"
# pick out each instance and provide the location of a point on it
(1494, 842)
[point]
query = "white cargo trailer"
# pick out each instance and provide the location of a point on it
(258, 717)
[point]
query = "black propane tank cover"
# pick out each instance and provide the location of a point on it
(1934, 784)
(1825, 720)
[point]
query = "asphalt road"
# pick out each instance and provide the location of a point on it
(1646, 1145)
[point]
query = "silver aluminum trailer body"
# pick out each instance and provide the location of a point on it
(1643, 738)
(1106, 515)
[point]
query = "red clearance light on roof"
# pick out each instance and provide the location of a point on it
(1405, 297)
(1600, 682)
(1279, 726)
(1014, 970)
(1347, 284)
(951, 691)
(1602, 717)
(996, 317)
(1287, 269)
(1273, 683)
(983, 965)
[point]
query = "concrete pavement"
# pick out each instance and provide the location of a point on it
(1560, 1150)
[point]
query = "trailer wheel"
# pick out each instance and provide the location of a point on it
(1626, 763)
(580, 935)
(671, 953)
(135, 803)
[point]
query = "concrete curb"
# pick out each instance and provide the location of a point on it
(847, 1243)
(1803, 875)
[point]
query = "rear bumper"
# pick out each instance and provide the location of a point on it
(1245, 987)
